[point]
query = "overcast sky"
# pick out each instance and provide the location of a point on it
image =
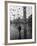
(28, 11)
(17, 11)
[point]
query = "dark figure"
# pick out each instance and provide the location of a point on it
(10, 22)
(19, 29)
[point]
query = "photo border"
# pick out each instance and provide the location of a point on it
(6, 20)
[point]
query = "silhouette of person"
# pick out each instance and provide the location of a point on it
(19, 29)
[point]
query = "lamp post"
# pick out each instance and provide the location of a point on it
(24, 16)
